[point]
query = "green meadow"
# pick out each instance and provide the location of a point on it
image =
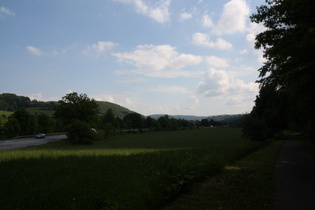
(134, 171)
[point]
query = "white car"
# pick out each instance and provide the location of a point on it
(40, 136)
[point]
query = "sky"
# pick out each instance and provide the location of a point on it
(177, 57)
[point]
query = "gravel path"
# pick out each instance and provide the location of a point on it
(294, 178)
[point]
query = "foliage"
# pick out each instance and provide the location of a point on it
(21, 122)
(12, 127)
(78, 113)
(134, 121)
(76, 107)
(126, 171)
(45, 123)
(110, 122)
(256, 129)
(79, 132)
(12, 102)
(151, 123)
(289, 47)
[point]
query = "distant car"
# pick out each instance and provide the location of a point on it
(40, 136)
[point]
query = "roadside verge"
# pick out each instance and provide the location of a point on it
(246, 184)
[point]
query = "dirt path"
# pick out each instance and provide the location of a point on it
(294, 178)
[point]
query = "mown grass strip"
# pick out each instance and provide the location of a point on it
(246, 184)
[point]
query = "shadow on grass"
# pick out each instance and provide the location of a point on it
(139, 181)
(123, 172)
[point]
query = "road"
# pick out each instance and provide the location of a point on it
(26, 142)
(294, 178)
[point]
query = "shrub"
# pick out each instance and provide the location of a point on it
(255, 129)
(80, 133)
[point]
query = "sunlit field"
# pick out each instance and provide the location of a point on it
(134, 171)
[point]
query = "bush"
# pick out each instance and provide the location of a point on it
(255, 129)
(80, 133)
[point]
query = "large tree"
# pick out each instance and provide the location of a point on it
(110, 122)
(134, 121)
(78, 113)
(289, 48)
(21, 122)
(77, 107)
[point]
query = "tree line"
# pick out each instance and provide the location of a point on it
(79, 116)
(12, 102)
(287, 95)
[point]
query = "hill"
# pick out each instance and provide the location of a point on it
(220, 118)
(11, 102)
(119, 111)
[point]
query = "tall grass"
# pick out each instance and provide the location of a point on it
(138, 171)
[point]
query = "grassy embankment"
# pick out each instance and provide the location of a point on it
(139, 171)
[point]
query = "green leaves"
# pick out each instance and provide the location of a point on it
(76, 107)
(289, 47)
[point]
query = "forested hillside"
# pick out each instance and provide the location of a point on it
(12, 102)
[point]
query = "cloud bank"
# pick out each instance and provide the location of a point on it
(159, 61)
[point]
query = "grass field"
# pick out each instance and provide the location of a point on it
(136, 171)
(5, 113)
(4, 116)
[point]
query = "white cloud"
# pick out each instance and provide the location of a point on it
(232, 19)
(250, 39)
(5, 11)
(214, 61)
(149, 56)
(128, 101)
(219, 83)
(96, 50)
(253, 30)
(183, 60)
(159, 61)
(36, 96)
(159, 12)
(108, 98)
(194, 100)
(244, 51)
(261, 59)
(203, 39)
(207, 22)
(34, 50)
(185, 16)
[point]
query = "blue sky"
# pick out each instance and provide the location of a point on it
(154, 57)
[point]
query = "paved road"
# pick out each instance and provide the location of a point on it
(294, 178)
(21, 143)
